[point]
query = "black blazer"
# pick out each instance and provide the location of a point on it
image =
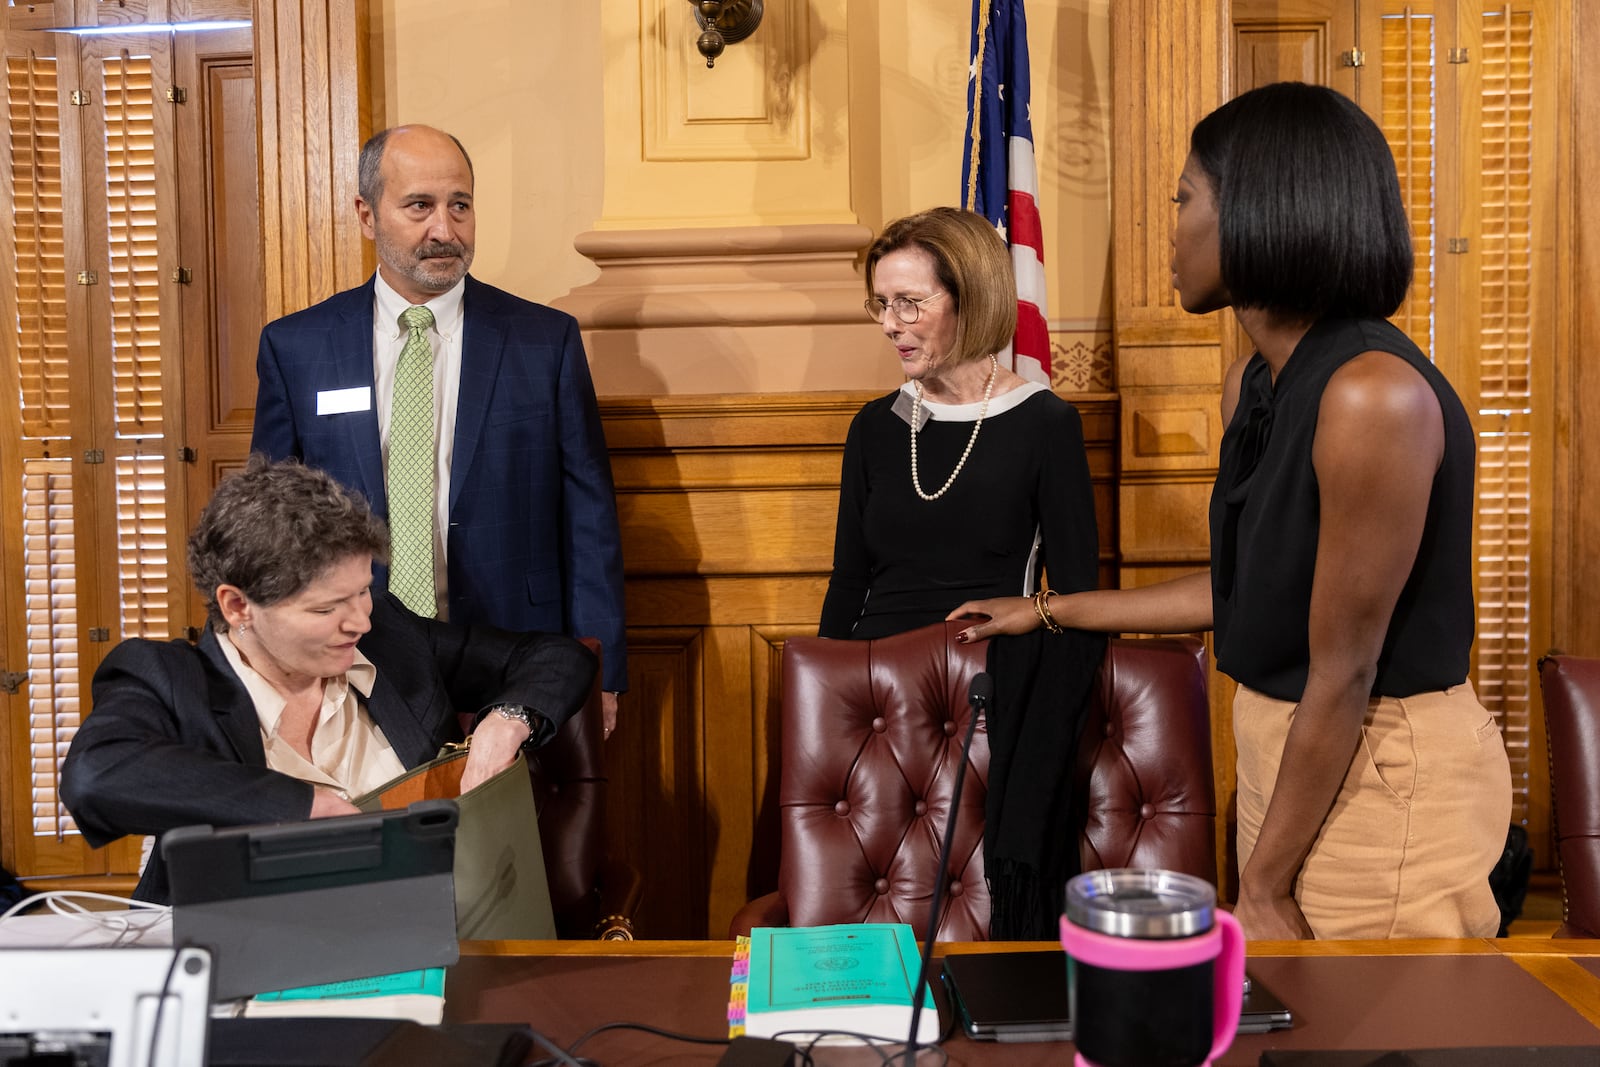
(173, 739)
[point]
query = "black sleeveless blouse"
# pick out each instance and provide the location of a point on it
(1264, 524)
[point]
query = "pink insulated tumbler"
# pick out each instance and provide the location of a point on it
(1155, 972)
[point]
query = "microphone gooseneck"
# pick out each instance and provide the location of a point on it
(980, 694)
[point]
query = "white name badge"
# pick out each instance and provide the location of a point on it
(339, 401)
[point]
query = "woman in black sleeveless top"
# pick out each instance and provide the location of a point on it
(1373, 788)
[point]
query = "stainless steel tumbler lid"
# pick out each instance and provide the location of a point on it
(1147, 904)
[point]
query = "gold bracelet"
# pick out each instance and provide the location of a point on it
(1041, 605)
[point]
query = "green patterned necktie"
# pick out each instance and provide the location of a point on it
(410, 475)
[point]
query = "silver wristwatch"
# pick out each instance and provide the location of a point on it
(518, 713)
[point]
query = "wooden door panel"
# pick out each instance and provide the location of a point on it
(1295, 40)
(224, 304)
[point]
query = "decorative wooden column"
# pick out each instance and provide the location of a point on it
(1169, 67)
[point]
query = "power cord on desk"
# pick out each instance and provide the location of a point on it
(161, 1006)
(558, 1054)
(876, 1042)
(65, 902)
(801, 1053)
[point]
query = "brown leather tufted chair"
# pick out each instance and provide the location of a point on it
(871, 734)
(1571, 687)
(592, 894)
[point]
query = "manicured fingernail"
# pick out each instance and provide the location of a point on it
(962, 637)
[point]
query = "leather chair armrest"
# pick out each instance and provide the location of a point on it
(621, 887)
(770, 910)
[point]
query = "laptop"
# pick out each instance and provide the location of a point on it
(1022, 996)
(295, 904)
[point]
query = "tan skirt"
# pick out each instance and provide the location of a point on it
(1419, 822)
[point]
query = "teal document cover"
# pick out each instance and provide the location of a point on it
(853, 977)
(416, 995)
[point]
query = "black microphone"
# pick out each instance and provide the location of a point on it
(980, 694)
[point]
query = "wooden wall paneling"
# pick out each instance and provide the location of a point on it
(1296, 40)
(655, 803)
(312, 87)
(196, 10)
(223, 305)
(728, 506)
(1170, 64)
(1576, 626)
(37, 14)
(119, 12)
(766, 747)
(731, 763)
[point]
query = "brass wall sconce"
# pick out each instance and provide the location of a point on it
(724, 22)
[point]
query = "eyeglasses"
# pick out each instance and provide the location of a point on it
(905, 309)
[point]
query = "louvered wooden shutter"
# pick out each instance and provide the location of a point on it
(134, 230)
(55, 687)
(1512, 437)
(50, 586)
(1461, 112)
(92, 359)
(131, 239)
(39, 271)
(1409, 119)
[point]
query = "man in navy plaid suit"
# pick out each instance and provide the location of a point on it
(526, 534)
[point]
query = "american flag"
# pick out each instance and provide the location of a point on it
(998, 177)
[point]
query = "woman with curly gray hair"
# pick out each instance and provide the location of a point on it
(305, 689)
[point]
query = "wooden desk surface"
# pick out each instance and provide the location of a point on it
(1345, 995)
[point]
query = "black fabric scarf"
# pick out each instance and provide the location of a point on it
(1042, 686)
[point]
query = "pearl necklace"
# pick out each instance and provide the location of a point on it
(916, 419)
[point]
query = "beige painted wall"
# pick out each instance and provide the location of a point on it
(517, 81)
(863, 101)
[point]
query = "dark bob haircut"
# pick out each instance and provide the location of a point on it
(274, 528)
(1309, 213)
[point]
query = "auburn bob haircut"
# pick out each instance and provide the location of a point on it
(972, 264)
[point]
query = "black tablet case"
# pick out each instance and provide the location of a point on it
(1022, 996)
(297, 904)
